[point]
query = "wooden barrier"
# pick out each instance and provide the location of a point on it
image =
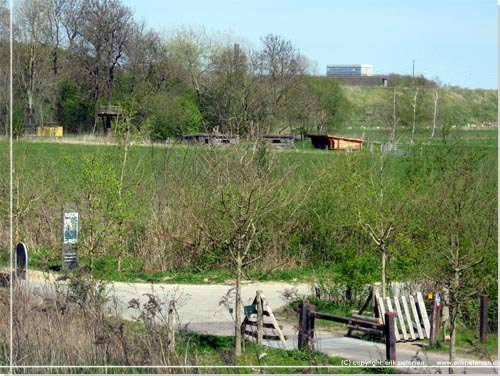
(390, 337)
(254, 326)
(412, 321)
(308, 315)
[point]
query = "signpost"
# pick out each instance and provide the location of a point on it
(21, 261)
(70, 252)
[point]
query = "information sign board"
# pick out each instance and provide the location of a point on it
(70, 252)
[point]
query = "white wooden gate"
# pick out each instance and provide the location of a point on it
(412, 321)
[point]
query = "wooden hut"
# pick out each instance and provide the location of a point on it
(108, 114)
(209, 139)
(330, 142)
(279, 141)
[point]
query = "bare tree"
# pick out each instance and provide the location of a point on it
(4, 64)
(459, 236)
(242, 202)
(99, 33)
(434, 118)
(30, 52)
(229, 94)
(190, 49)
(379, 202)
(395, 119)
(414, 117)
(279, 62)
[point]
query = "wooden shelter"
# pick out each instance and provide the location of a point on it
(330, 142)
(209, 139)
(109, 113)
(279, 141)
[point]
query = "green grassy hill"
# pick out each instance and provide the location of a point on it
(374, 106)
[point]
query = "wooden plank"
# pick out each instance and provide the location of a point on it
(366, 330)
(375, 320)
(389, 309)
(380, 305)
(408, 317)
(265, 336)
(347, 320)
(416, 318)
(267, 325)
(276, 325)
(401, 318)
(423, 312)
(366, 304)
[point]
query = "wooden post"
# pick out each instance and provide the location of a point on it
(375, 293)
(260, 317)
(390, 337)
(436, 312)
(171, 327)
(302, 324)
(311, 309)
(483, 319)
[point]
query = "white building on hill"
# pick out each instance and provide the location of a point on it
(349, 70)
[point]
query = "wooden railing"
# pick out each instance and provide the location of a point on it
(111, 110)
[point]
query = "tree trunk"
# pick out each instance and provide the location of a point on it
(414, 105)
(453, 318)
(171, 327)
(394, 119)
(384, 257)
(436, 97)
(237, 310)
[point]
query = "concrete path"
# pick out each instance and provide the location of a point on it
(205, 309)
(201, 310)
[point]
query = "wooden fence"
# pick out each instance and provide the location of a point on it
(308, 316)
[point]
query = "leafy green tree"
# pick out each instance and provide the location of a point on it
(330, 109)
(104, 208)
(173, 115)
(74, 108)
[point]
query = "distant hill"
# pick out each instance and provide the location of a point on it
(391, 80)
(373, 106)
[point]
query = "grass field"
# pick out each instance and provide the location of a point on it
(53, 173)
(48, 175)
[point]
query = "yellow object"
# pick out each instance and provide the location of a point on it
(430, 296)
(49, 131)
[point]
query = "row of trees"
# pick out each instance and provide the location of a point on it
(71, 56)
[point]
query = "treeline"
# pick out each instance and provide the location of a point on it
(73, 56)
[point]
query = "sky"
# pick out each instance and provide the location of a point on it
(453, 41)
